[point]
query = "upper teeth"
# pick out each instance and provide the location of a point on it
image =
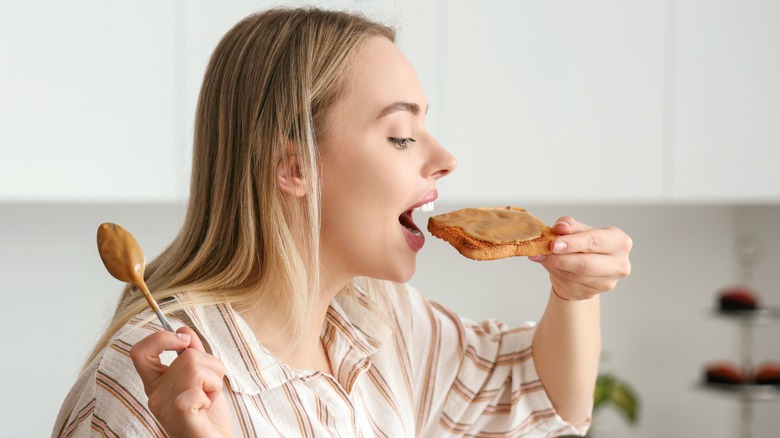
(425, 207)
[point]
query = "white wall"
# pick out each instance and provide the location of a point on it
(640, 92)
(658, 330)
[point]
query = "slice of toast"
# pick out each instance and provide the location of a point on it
(476, 249)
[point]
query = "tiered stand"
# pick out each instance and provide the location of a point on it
(747, 394)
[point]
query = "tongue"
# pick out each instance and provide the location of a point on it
(407, 221)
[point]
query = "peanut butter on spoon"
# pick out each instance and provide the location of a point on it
(124, 259)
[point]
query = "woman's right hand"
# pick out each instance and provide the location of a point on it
(185, 397)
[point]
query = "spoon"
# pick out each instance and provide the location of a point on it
(125, 260)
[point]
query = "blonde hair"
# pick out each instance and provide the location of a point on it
(265, 95)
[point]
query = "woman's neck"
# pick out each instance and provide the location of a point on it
(268, 325)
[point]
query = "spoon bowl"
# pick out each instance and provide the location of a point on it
(124, 259)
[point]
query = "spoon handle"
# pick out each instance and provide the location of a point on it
(164, 321)
(153, 304)
(166, 325)
(155, 307)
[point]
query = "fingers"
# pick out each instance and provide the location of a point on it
(583, 276)
(186, 396)
(192, 400)
(198, 369)
(579, 238)
(595, 272)
(193, 379)
(588, 265)
(586, 261)
(194, 367)
(146, 352)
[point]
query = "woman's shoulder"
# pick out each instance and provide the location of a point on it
(109, 394)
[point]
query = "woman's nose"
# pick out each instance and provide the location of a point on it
(442, 162)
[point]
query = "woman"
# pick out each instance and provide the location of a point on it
(286, 281)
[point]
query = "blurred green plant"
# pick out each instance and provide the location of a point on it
(611, 391)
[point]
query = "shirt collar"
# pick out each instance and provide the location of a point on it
(351, 334)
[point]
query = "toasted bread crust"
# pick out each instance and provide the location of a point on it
(476, 249)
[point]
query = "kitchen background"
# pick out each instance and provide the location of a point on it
(659, 117)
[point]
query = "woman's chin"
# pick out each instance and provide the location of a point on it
(401, 274)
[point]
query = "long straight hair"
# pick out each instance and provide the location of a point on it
(266, 91)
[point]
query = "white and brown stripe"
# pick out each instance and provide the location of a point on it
(419, 370)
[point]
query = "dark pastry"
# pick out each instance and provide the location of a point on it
(768, 374)
(724, 373)
(738, 298)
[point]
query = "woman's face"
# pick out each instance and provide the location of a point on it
(378, 163)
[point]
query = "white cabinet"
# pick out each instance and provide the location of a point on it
(554, 101)
(98, 98)
(726, 117)
(570, 101)
(87, 109)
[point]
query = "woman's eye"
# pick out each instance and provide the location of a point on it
(401, 143)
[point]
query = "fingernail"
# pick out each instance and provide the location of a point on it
(560, 246)
(561, 223)
(183, 336)
(538, 258)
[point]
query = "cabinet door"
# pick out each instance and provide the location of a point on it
(554, 101)
(727, 101)
(87, 107)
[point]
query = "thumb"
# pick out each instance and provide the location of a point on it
(562, 226)
(194, 341)
(568, 225)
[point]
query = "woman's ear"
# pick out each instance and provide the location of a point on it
(289, 177)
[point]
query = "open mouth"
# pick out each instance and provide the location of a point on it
(408, 222)
(414, 237)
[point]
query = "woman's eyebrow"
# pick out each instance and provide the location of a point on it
(400, 106)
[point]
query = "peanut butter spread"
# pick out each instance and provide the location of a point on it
(123, 257)
(493, 225)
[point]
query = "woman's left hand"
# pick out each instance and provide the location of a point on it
(586, 261)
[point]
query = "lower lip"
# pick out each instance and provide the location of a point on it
(415, 241)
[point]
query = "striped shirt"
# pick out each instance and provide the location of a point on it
(419, 370)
